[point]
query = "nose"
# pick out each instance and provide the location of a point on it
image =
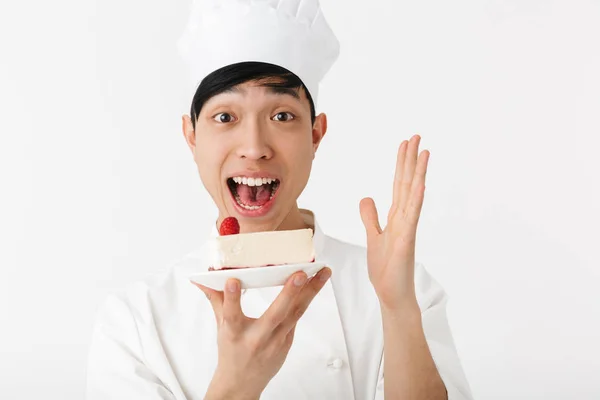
(253, 143)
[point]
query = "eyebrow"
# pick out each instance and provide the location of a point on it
(277, 90)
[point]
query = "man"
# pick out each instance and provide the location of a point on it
(370, 325)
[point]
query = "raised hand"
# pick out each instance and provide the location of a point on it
(391, 252)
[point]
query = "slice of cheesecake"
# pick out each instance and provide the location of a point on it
(259, 249)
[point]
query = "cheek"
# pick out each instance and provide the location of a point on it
(297, 142)
(209, 159)
(298, 153)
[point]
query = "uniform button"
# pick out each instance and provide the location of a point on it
(336, 363)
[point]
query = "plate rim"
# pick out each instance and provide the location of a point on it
(231, 273)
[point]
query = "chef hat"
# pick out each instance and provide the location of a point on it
(292, 34)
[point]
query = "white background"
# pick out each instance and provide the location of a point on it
(98, 187)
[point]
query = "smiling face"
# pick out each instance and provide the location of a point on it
(254, 146)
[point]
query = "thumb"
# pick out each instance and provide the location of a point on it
(215, 297)
(368, 214)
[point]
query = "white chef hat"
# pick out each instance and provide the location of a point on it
(292, 34)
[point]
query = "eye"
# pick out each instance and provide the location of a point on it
(283, 117)
(223, 117)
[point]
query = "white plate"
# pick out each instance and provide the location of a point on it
(252, 278)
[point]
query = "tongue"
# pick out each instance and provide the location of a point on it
(254, 195)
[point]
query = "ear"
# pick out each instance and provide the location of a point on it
(318, 131)
(188, 132)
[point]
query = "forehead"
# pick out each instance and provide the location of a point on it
(265, 88)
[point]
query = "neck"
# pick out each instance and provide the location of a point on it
(293, 220)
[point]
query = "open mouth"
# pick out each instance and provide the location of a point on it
(252, 193)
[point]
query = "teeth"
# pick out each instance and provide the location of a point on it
(242, 180)
(239, 201)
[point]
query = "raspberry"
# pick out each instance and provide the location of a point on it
(229, 226)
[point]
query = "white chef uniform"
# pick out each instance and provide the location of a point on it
(157, 338)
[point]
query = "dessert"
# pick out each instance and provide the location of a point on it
(260, 249)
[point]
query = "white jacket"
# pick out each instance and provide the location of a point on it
(157, 339)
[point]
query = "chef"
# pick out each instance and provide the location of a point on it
(370, 325)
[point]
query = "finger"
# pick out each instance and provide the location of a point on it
(215, 297)
(232, 308)
(408, 173)
(417, 193)
(400, 157)
(279, 309)
(306, 296)
(370, 219)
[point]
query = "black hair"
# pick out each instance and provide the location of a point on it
(232, 75)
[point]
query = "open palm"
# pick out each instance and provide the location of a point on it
(391, 251)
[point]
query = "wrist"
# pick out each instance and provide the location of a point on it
(221, 388)
(224, 393)
(407, 309)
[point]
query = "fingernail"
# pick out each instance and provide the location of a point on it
(325, 275)
(232, 286)
(299, 279)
